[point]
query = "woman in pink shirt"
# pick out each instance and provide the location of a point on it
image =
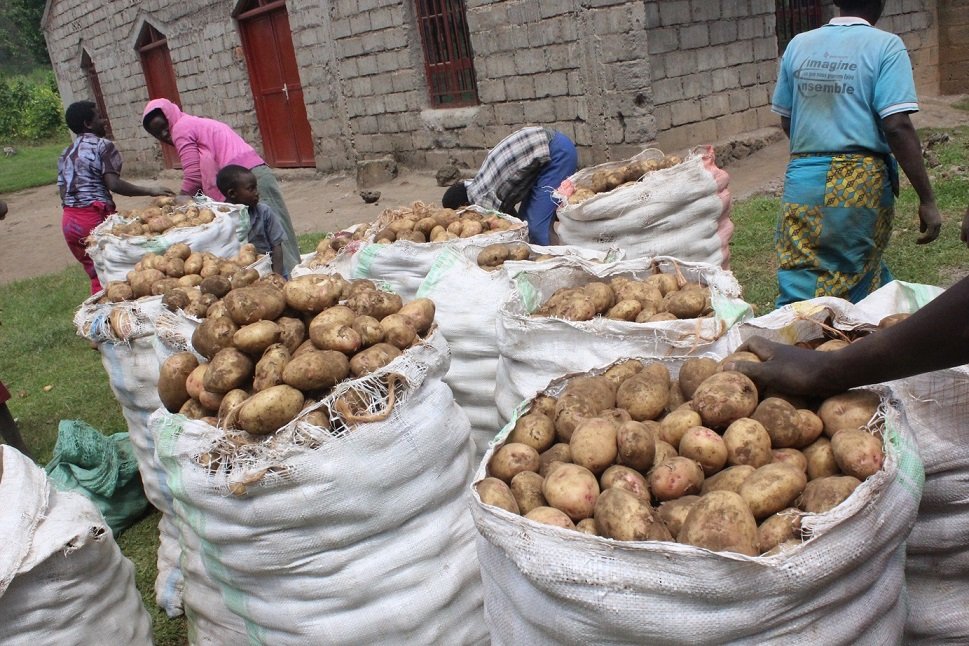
(204, 146)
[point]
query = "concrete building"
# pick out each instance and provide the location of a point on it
(326, 84)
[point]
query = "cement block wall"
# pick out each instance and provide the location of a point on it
(954, 46)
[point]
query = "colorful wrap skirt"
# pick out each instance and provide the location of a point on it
(835, 223)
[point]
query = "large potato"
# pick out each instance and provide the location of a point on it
(372, 359)
(312, 293)
(625, 517)
(229, 369)
(851, 410)
(573, 490)
(858, 453)
(255, 303)
(720, 521)
(213, 334)
(824, 494)
(534, 429)
(269, 410)
(420, 313)
(674, 478)
(693, 372)
(724, 397)
(705, 447)
(636, 445)
(783, 526)
(593, 444)
(771, 488)
(375, 303)
(810, 425)
(256, 337)
(172, 377)
(675, 424)
(598, 389)
(369, 330)
(316, 369)
(624, 478)
(747, 442)
(730, 479)
(526, 487)
(792, 457)
(398, 331)
(674, 512)
(337, 337)
(496, 493)
(269, 368)
(820, 459)
(550, 516)
(570, 409)
(336, 315)
(645, 397)
(511, 459)
(556, 453)
(622, 371)
(780, 419)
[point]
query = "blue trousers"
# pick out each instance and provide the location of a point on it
(538, 208)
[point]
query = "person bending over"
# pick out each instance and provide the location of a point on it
(266, 232)
(525, 167)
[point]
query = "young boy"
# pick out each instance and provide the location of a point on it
(88, 172)
(266, 232)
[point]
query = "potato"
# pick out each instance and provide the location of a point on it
(663, 452)
(269, 410)
(572, 489)
(544, 404)
(858, 453)
(256, 337)
(720, 521)
(171, 380)
(269, 368)
(193, 384)
(369, 330)
(783, 526)
(850, 410)
(192, 409)
(570, 409)
(420, 313)
(218, 286)
(644, 397)
(375, 303)
(316, 369)
(737, 356)
(636, 444)
(587, 526)
(550, 516)
(511, 459)
(686, 303)
(705, 447)
(792, 457)
(626, 310)
(250, 304)
(229, 369)
(624, 478)
(557, 453)
(676, 399)
(312, 293)
(725, 397)
(747, 442)
(575, 307)
(534, 429)
(693, 372)
(493, 255)
(179, 250)
(210, 401)
(892, 319)
(622, 371)
(593, 444)
(336, 315)
(526, 487)
(616, 415)
(230, 401)
(292, 332)
(824, 494)
(820, 459)
(810, 426)
(772, 488)
(337, 337)
(496, 493)
(602, 296)
(598, 389)
(623, 516)
(675, 424)
(372, 359)
(729, 479)
(780, 419)
(674, 512)
(674, 478)
(398, 331)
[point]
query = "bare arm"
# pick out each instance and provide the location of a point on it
(905, 145)
(786, 126)
(117, 185)
(935, 337)
(276, 254)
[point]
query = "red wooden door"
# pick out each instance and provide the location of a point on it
(268, 43)
(156, 61)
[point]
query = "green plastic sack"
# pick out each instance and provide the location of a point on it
(103, 468)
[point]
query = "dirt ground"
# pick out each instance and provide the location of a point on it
(32, 243)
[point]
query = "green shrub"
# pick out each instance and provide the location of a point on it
(30, 108)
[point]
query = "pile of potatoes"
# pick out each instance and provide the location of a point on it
(659, 297)
(834, 339)
(163, 215)
(424, 223)
(275, 348)
(494, 255)
(328, 248)
(633, 454)
(603, 181)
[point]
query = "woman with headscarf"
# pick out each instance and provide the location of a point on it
(205, 146)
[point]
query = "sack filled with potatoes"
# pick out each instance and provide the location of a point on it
(421, 222)
(607, 177)
(161, 216)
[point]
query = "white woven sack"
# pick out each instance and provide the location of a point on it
(845, 585)
(114, 256)
(63, 579)
(681, 211)
(358, 536)
(534, 350)
(403, 265)
(466, 299)
(936, 406)
(132, 368)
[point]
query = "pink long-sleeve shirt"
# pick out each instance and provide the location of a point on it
(204, 147)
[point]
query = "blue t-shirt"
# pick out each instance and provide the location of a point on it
(836, 83)
(265, 229)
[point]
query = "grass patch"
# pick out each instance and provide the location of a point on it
(962, 104)
(34, 165)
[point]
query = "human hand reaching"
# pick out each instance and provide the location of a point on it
(930, 223)
(159, 190)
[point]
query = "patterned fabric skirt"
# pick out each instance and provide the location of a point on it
(835, 222)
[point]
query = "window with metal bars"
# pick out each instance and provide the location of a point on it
(91, 74)
(795, 16)
(448, 59)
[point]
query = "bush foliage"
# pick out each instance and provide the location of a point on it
(30, 108)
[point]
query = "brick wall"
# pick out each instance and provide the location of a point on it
(954, 46)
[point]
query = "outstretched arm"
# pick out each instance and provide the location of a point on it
(935, 337)
(117, 185)
(905, 145)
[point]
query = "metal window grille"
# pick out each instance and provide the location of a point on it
(91, 74)
(448, 59)
(795, 16)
